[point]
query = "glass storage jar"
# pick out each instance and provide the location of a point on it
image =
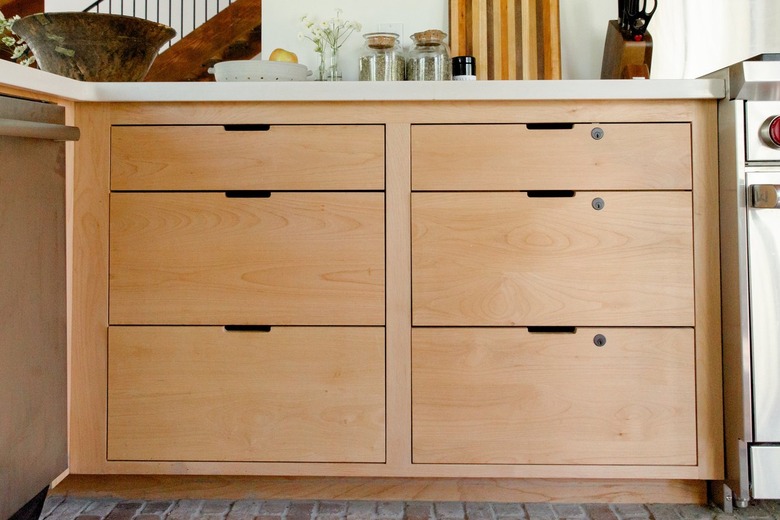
(381, 58)
(429, 59)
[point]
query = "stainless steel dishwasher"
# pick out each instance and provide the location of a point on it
(33, 364)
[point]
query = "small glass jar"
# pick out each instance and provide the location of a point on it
(381, 58)
(429, 59)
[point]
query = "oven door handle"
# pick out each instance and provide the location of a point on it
(765, 196)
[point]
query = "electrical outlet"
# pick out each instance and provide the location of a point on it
(397, 28)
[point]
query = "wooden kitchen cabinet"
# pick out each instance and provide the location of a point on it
(246, 294)
(561, 155)
(514, 396)
(247, 156)
(438, 273)
(303, 394)
(510, 258)
(532, 232)
(283, 258)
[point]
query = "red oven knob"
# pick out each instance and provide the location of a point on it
(770, 132)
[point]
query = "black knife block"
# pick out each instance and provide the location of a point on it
(624, 58)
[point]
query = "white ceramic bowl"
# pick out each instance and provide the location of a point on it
(259, 70)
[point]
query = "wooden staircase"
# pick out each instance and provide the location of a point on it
(20, 7)
(232, 34)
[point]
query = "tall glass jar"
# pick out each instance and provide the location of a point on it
(429, 59)
(381, 58)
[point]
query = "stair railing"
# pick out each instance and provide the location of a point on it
(183, 15)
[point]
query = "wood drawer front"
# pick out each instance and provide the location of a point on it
(509, 259)
(512, 157)
(204, 258)
(507, 396)
(311, 394)
(298, 157)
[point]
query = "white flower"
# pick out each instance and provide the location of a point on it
(19, 51)
(333, 32)
(18, 48)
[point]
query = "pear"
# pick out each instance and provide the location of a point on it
(283, 55)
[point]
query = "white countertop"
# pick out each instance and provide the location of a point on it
(33, 80)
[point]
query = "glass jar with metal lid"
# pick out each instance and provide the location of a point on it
(381, 58)
(429, 59)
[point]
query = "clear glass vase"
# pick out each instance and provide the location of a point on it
(329, 64)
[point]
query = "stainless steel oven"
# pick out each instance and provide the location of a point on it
(749, 155)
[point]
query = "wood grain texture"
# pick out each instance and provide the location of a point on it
(709, 377)
(290, 259)
(150, 487)
(399, 299)
(506, 396)
(510, 39)
(497, 259)
(89, 289)
(297, 157)
(528, 49)
(237, 24)
(480, 111)
(551, 28)
(458, 29)
(514, 157)
(90, 295)
(480, 29)
(21, 7)
(625, 59)
(203, 393)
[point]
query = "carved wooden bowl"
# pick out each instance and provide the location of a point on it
(93, 46)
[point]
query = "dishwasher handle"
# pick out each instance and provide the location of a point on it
(765, 196)
(34, 130)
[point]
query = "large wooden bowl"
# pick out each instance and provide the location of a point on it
(93, 46)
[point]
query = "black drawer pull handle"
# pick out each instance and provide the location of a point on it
(549, 126)
(248, 194)
(247, 128)
(552, 329)
(550, 193)
(247, 328)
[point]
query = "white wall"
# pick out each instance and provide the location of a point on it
(583, 29)
(690, 37)
(281, 24)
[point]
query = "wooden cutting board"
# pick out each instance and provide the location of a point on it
(510, 39)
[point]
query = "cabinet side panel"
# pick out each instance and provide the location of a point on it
(89, 290)
(706, 244)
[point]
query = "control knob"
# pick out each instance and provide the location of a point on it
(770, 132)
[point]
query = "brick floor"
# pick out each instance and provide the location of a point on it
(58, 507)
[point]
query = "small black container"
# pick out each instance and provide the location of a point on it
(464, 68)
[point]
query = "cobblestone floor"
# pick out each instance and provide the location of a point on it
(58, 507)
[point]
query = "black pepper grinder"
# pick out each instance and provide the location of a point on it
(464, 68)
